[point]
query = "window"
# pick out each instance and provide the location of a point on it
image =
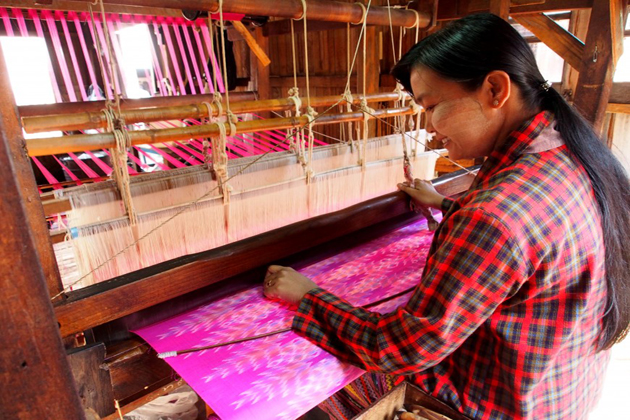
(29, 74)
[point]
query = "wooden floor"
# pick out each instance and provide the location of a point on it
(615, 401)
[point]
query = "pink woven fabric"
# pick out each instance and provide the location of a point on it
(283, 376)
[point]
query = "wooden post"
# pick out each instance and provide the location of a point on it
(24, 179)
(35, 378)
(94, 382)
(500, 8)
(598, 66)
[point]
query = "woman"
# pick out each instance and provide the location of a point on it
(527, 281)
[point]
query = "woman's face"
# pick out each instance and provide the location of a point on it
(466, 122)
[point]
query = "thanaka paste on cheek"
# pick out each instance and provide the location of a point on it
(460, 119)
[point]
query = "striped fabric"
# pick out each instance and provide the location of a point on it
(504, 321)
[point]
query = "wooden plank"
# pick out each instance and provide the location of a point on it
(283, 27)
(461, 8)
(500, 8)
(578, 26)
(562, 42)
(618, 108)
(335, 82)
(252, 43)
(92, 377)
(617, 27)
(130, 293)
(262, 71)
(35, 378)
(24, 177)
(597, 67)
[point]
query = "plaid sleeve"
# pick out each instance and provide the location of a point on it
(446, 204)
(478, 265)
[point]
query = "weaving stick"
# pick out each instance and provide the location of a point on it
(65, 73)
(49, 177)
(184, 57)
(173, 57)
(73, 55)
(193, 58)
(86, 56)
(104, 167)
(202, 56)
(40, 34)
(167, 354)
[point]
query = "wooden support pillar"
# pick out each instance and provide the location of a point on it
(500, 8)
(598, 65)
(35, 378)
(24, 179)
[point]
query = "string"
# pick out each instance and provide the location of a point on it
(166, 354)
(192, 203)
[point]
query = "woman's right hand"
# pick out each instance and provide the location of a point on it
(422, 193)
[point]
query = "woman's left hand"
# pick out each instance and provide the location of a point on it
(286, 284)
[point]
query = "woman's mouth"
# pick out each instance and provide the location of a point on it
(445, 142)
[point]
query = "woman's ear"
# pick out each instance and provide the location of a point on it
(497, 88)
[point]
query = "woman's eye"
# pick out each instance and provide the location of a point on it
(429, 108)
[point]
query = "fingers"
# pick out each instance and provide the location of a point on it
(274, 269)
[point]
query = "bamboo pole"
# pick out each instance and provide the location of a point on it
(325, 10)
(90, 120)
(97, 106)
(79, 143)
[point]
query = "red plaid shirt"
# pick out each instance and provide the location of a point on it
(504, 322)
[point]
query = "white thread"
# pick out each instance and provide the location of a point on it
(363, 15)
(167, 354)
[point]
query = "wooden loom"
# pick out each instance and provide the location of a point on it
(108, 310)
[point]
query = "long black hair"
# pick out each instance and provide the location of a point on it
(470, 48)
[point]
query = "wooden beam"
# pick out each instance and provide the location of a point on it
(618, 108)
(326, 10)
(130, 293)
(82, 142)
(35, 377)
(26, 180)
(500, 8)
(69, 5)
(598, 66)
(262, 71)
(258, 51)
(283, 27)
(562, 42)
(98, 106)
(460, 8)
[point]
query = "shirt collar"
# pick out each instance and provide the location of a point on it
(515, 145)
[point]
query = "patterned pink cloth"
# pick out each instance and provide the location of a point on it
(283, 376)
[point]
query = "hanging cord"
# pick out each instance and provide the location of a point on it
(310, 112)
(294, 95)
(116, 125)
(367, 111)
(219, 144)
(211, 191)
(347, 94)
(207, 159)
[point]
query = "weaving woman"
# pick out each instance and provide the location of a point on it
(526, 284)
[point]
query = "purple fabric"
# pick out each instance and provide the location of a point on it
(283, 376)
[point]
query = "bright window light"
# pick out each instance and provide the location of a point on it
(28, 64)
(135, 43)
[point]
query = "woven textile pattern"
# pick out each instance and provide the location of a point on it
(283, 376)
